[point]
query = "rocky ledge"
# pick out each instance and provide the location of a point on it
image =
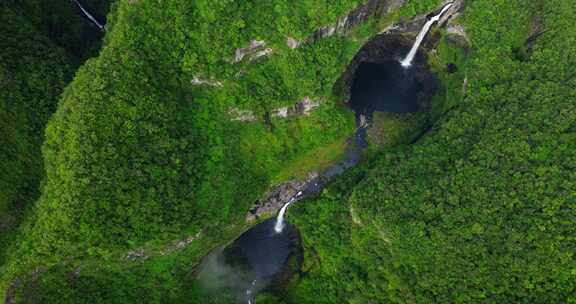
(280, 195)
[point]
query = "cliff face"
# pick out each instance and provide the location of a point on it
(33, 73)
(459, 203)
(192, 110)
(389, 43)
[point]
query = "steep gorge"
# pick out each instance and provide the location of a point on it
(194, 110)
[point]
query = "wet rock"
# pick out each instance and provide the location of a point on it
(278, 196)
(452, 12)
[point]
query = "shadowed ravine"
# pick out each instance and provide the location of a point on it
(89, 16)
(260, 257)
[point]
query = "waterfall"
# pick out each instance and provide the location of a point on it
(250, 291)
(407, 62)
(280, 220)
(89, 16)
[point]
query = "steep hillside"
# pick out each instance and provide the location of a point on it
(179, 124)
(193, 110)
(63, 23)
(481, 208)
(33, 73)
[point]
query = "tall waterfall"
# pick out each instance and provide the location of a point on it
(280, 219)
(89, 16)
(407, 62)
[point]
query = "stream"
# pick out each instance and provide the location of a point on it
(261, 256)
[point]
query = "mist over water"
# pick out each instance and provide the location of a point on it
(251, 263)
(260, 257)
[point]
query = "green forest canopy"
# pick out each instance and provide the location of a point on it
(480, 209)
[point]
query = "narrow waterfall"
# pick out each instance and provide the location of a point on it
(407, 62)
(250, 292)
(280, 219)
(89, 16)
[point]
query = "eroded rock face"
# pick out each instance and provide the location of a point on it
(357, 16)
(292, 43)
(457, 33)
(241, 115)
(278, 196)
(197, 80)
(391, 44)
(394, 42)
(386, 48)
(303, 107)
(256, 49)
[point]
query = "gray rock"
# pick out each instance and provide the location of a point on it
(278, 196)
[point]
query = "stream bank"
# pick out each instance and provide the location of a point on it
(373, 83)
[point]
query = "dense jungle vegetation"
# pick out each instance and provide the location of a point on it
(137, 157)
(482, 208)
(33, 73)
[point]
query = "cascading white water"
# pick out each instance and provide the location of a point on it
(250, 291)
(407, 62)
(89, 16)
(280, 219)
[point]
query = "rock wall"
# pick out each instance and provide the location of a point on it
(390, 44)
(278, 197)
(359, 15)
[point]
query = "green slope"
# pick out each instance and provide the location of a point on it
(33, 73)
(482, 208)
(138, 156)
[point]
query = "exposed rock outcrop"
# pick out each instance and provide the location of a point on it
(137, 254)
(457, 30)
(241, 115)
(197, 80)
(359, 15)
(144, 254)
(278, 196)
(262, 53)
(181, 244)
(255, 50)
(303, 107)
(292, 43)
(414, 25)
